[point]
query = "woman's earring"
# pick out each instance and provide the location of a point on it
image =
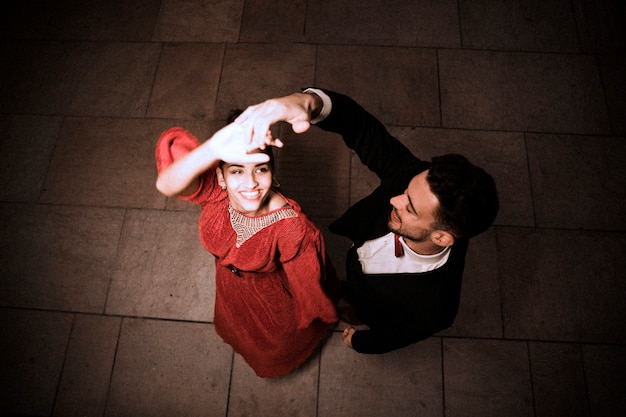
(275, 183)
(223, 187)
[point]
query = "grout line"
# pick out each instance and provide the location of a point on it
(530, 182)
(532, 383)
(154, 79)
(114, 262)
(230, 382)
(585, 379)
(439, 89)
(319, 375)
(63, 362)
(460, 28)
(110, 384)
(499, 282)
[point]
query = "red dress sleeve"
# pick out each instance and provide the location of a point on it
(172, 145)
(308, 271)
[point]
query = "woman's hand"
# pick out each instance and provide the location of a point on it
(230, 144)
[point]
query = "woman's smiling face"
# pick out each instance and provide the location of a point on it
(248, 186)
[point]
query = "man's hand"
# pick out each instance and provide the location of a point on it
(347, 336)
(295, 109)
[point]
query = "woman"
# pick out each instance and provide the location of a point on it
(276, 290)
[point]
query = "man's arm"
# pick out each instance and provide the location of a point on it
(367, 136)
(386, 339)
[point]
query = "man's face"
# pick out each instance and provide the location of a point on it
(412, 215)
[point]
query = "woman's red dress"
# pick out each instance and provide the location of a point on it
(274, 282)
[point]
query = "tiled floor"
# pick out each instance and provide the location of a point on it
(106, 295)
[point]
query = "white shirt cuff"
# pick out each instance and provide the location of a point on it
(326, 108)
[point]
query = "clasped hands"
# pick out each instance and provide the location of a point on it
(252, 129)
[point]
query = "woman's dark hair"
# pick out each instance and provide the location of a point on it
(234, 113)
(468, 200)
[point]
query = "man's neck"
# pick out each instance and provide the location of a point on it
(423, 248)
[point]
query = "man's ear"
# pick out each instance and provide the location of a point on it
(220, 177)
(442, 238)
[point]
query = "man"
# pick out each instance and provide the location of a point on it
(410, 234)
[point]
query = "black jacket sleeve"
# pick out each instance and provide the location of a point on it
(376, 147)
(394, 335)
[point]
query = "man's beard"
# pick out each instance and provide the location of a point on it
(422, 236)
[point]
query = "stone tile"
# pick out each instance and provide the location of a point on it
(314, 169)
(405, 382)
(186, 81)
(397, 23)
(521, 25)
(400, 89)
(102, 20)
(605, 369)
(562, 285)
(91, 78)
(276, 21)
(291, 395)
(253, 73)
(169, 369)
(20, 19)
(32, 348)
(162, 270)
(479, 312)
(198, 21)
(25, 152)
(613, 69)
(106, 162)
(601, 25)
(521, 91)
(558, 380)
(578, 181)
(87, 368)
(486, 378)
(61, 257)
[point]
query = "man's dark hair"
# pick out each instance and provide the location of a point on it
(468, 200)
